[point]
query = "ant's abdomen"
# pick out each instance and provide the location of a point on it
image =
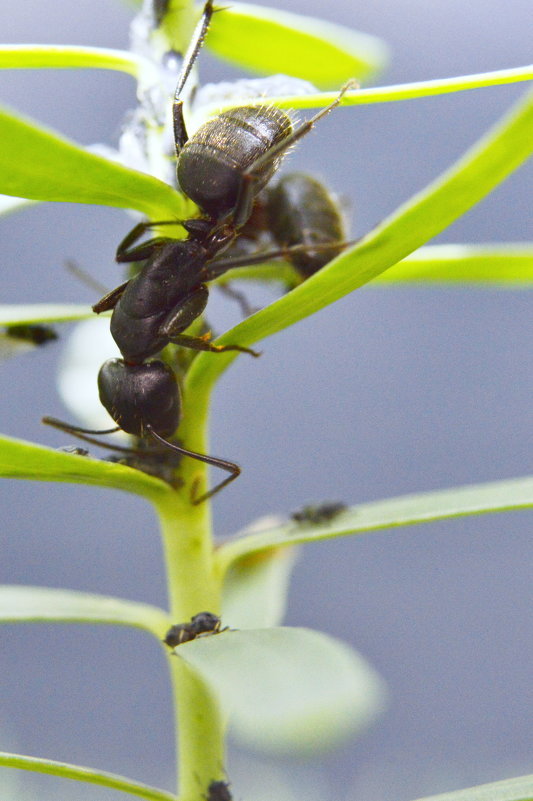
(212, 163)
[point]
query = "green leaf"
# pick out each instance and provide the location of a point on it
(19, 459)
(387, 94)
(38, 164)
(81, 774)
(24, 56)
(20, 604)
(505, 266)
(29, 313)
(518, 789)
(406, 510)
(478, 172)
(305, 47)
(287, 689)
(255, 589)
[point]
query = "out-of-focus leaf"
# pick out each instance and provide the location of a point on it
(19, 604)
(82, 774)
(35, 313)
(518, 789)
(287, 689)
(255, 589)
(19, 459)
(305, 47)
(39, 164)
(503, 266)
(407, 510)
(24, 56)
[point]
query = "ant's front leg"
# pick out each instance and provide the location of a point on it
(127, 253)
(181, 317)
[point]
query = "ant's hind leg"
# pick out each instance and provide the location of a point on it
(230, 467)
(180, 131)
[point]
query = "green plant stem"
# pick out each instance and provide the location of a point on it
(192, 588)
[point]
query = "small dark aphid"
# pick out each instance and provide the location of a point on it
(34, 334)
(202, 623)
(320, 513)
(218, 791)
(75, 450)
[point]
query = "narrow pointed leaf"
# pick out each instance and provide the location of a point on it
(81, 774)
(287, 689)
(406, 510)
(313, 49)
(39, 164)
(19, 459)
(504, 266)
(518, 789)
(41, 56)
(478, 172)
(19, 604)
(30, 313)
(390, 94)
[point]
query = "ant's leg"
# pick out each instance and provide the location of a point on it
(253, 171)
(201, 343)
(220, 266)
(181, 317)
(246, 308)
(180, 132)
(110, 300)
(231, 467)
(81, 433)
(127, 253)
(85, 277)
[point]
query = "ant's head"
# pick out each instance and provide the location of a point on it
(138, 396)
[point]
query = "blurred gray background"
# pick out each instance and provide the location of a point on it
(392, 391)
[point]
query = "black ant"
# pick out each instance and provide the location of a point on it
(201, 624)
(222, 168)
(299, 216)
(218, 791)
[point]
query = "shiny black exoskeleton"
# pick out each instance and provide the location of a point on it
(218, 791)
(202, 623)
